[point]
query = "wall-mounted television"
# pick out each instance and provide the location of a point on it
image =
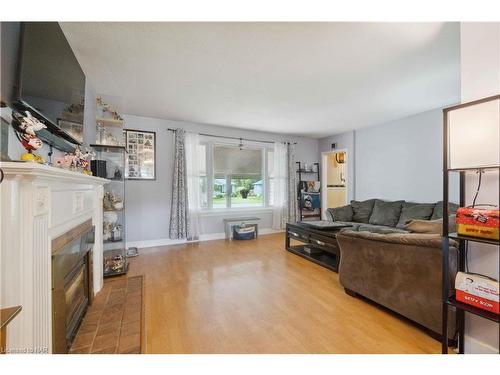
(51, 83)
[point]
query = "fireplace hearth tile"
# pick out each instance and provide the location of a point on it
(83, 340)
(110, 350)
(88, 328)
(113, 323)
(113, 327)
(84, 350)
(130, 328)
(105, 341)
(129, 343)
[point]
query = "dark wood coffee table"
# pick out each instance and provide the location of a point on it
(322, 243)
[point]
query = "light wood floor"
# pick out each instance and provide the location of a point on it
(255, 297)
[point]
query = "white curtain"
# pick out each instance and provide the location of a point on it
(280, 186)
(193, 183)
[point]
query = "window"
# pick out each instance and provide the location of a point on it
(202, 150)
(270, 174)
(235, 177)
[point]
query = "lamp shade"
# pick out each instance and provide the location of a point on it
(474, 135)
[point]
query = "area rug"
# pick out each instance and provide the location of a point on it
(113, 323)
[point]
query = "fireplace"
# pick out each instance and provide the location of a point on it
(71, 283)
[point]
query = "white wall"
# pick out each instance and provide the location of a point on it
(400, 159)
(148, 202)
(480, 74)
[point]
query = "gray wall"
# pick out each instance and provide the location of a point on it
(148, 202)
(400, 159)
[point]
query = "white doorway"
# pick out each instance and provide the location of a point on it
(334, 179)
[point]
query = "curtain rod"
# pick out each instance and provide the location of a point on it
(227, 137)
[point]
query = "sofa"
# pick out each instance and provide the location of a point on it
(383, 261)
(379, 216)
(400, 271)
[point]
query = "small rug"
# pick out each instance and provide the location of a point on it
(113, 323)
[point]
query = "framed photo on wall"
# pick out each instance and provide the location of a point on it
(141, 157)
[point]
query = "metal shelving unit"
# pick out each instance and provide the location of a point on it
(115, 252)
(449, 299)
(300, 171)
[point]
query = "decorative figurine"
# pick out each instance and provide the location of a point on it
(107, 231)
(78, 160)
(26, 128)
(111, 202)
(116, 233)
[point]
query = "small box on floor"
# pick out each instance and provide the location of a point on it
(477, 290)
(242, 232)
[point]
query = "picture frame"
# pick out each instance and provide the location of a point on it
(140, 162)
(73, 128)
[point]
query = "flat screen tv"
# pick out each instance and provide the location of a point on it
(51, 83)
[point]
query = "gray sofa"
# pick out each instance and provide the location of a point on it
(401, 272)
(378, 216)
(380, 260)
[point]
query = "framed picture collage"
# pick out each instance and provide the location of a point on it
(141, 157)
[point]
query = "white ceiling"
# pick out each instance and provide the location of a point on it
(313, 79)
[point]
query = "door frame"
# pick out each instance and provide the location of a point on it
(324, 188)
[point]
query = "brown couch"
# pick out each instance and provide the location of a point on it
(399, 271)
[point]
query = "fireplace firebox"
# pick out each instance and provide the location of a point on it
(71, 283)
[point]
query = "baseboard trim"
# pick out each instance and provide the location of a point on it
(203, 237)
(474, 346)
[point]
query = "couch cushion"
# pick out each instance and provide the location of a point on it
(343, 213)
(430, 226)
(438, 210)
(382, 229)
(415, 211)
(362, 210)
(386, 213)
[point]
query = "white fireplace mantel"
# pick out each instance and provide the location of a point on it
(38, 203)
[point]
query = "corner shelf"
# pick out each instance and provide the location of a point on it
(300, 171)
(473, 169)
(448, 299)
(117, 147)
(109, 122)
(473, 310)
(114, 252)
(458, 237)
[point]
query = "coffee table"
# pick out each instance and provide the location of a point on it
(323, 246)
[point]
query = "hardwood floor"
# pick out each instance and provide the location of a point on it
(255, 297)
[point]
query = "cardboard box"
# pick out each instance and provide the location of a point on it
(478, 222)
(477, 290)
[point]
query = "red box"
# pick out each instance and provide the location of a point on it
(478, 222)
(477, 290)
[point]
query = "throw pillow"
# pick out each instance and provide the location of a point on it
(438, 210)
(430, 226)
(343, 213)
(362, 210)
(386, 213)
(412, 211)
